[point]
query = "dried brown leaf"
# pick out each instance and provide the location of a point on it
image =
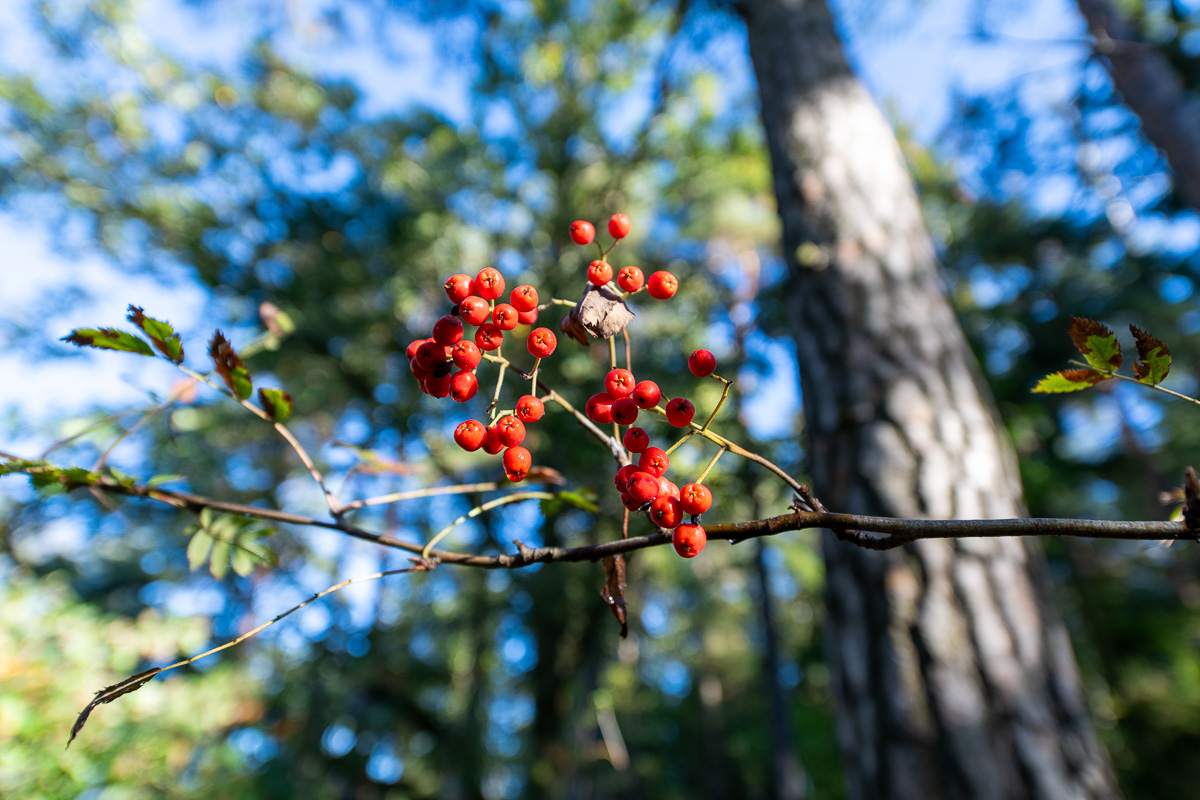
(110, 693)
(600, 312)
(614, 589)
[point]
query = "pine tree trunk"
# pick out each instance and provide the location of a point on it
(953, 674)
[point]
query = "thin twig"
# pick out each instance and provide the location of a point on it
(413, 494)
(516, 497)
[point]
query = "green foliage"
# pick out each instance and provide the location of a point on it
(161, 334)
(276, 402)
(109, 339)
(225, 541)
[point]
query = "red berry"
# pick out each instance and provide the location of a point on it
(695, 498)
(541, 342)
(599, 408)
(643, 487)
(470, 435)
(680, 412)
(600, 272)
(511, 430)
(689, 540)
(702, 363)
(474, 310)
(621, 479)
(418, 371)
(636, 440)
(624, 411)
(628, 501)
(618, 226)
(459, 287)
(429, 355)
(665, 511)
(410, 352)
(463, 386)
(505, 317)
(448, 331)
(516, 462)
(489, 283)
(466, 354)
(619, 383)
(492, 444)
(630, 279)
(647, 394)
(437, 385)
(488, 337)
(582, 232)
(530, 409)
(655, 461)
(527, 317)
(668, 487)
(663, 285)
(524, 298)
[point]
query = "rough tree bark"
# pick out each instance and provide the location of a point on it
(953, 674)
(1150, 86)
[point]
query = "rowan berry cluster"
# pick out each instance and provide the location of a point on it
(445, 365)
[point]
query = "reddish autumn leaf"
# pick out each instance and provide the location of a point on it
(1097, 343)
(229, 366)
(1154, 358)
(1070, 380)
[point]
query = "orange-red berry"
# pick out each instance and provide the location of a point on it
(505, 317)
(619, 383)
(618, 226)
(492, 444)
(459, 287)
(599, 272)
(470, 435)
(702, 363)
(488, 337)
(466, 354)
(647, 394)
(524, 298)
(695, 498)
(582, 232)
(516, 462)
(655, 461)
(599, 408)
(665, 511)
(630, 279)
(541, 342)
(662, 285)
(511, 430)
(530, 409)
(689, 540)
(463, 386)
(474, 310)
(448, 331)
(636, 440)
(489, 283)
(680, 412)
(643, 487)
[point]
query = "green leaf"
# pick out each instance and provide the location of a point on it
(229, 366)
(198, 549)
(160, 479)
(109, 339)
(276, 402)
(161, 334)
(206, 518)
(243, 561)
(579, 500)
(1070, 380)
(121, 478)
(1097, 343)
(218, 564)
(1154, 358)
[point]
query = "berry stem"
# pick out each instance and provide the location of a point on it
(536, 365)
(554, 301)
(720, 402)
(685, 437)
(631, 294)
(515, 497)
(499, 383)
(612, 353)
(711, 464)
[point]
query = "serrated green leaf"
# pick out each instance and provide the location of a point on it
(218, 563)
(229, 366)
(109, 339)
(1154, 357)
(1069, 380)
(276, 402)
(161, 334)
(243, 561)
(121, 478)
(578, 500)
(206, 517)
(198, 549)
(160, 479)
(1097, 343)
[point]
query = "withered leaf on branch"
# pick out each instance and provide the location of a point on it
(229, 366)
(110, 693)
(1070, 380)
(164, 337)
(600, 312)
(1097, 343)
(614, 589)
(1154, 358)
(109, 339)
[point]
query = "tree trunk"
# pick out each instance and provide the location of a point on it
(953, 674)
(1152, 89)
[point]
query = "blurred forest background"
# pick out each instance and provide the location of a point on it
(339, 160)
